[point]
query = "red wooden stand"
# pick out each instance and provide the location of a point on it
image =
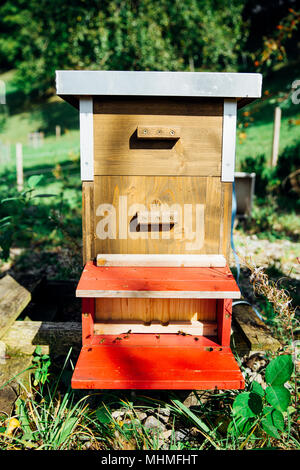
(152, 361)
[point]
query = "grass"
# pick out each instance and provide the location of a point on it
(53, 417)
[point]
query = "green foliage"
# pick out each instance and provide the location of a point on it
(264, 408)
(41, 363)
(119, 35)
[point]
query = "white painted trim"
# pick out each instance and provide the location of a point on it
(157, 83)
(154, 294)
(159, 260)
(86, 138)
(229, 139)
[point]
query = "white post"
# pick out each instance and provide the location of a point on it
(276, 133)
(19, 165)
(57, 132)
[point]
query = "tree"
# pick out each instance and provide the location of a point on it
(41, 36)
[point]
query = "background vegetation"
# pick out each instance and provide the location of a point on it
(42, 223)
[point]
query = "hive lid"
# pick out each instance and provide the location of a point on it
(71, 84)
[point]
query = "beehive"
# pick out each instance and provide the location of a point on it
(157, 167)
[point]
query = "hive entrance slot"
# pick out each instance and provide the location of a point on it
(197, 328)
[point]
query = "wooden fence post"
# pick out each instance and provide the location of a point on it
(19, 166)
(276, 133)
(57, 132)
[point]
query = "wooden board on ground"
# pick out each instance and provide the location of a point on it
(54, 337)
(255, 332)
(13, 299)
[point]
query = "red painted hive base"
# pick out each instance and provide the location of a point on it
(146, 361)
(152, 361)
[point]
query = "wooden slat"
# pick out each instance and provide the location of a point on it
(157, 282)
(88, 230)
(55, 338)
(158, 132)
(192, 328)
(204, 261)
(225, 226)
(256, 333)
(136, 193)
(147, 309)
(162, 362)
(119, 151)
(13, 299)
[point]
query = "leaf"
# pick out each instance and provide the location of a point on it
(279, 397)
(275, 417)
(38, 350)
(272, 422)
(240, 425)
(192, 415)
(103, 415)
(22, 412)
(269, 429)
(247, 405)
(66, 430)
(34, 180)
(279, 370)
(257, 388)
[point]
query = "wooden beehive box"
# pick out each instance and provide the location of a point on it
(157, 167)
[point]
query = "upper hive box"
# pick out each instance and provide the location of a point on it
(157, 158)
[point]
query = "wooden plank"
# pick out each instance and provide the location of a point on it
(88, 231)
(213, 215)
(192, 328)
(13, 299)
(54, 337)
(205, 261)
(256, 333)
(163, 362)
(197, 201)
(229, 139)
(157, 216)
(225, 226)
(119, 151)
(158, 132)
(152, 282)
(224, 315)
(86, 138)
(149, 309)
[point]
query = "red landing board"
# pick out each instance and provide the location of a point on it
(153, 362)
(171, 282)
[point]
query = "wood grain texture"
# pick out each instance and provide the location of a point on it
(149, 282)
(156, 327)
(145, 361)
(204, 261)
(118, 151)
(88, 230)
(147, 310)
(131, 194)
(13, 299)
(256, 333)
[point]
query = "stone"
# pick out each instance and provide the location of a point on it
(181, 435)
(8, 397)
(153, 423)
